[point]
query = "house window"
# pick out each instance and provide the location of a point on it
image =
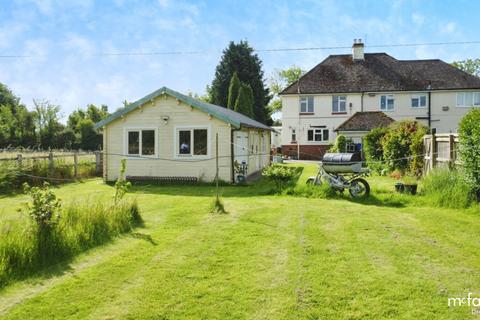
(192, 142)
(387, 102)
(468, 99)
(317, 135)
(306, 104)
(419, 101)
(339, 104)
(294, 135)
(141, 142)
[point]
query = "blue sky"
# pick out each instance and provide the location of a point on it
(67, 39)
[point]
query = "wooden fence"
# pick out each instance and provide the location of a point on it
(74, 156)
(440, 150)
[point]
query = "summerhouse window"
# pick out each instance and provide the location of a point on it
(192, 142)
(141, 142)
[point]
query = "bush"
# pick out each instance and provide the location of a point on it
(340, 145)
(469, 138)
(447, 188)
(402, 146)
(280, 175)
(372, 147)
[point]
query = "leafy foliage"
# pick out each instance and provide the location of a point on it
(44, 208)
(402, 146)
(471, 66)
(341, 143)
(244, 103)
(280, 175)
(372, 147)
(233, 91)
(240, 58)
(121, 185)
(279, 81)
(469, 138)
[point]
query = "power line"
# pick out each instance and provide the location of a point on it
(198, 52)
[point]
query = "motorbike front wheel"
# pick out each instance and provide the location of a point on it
(359, 188)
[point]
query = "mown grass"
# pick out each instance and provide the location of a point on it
(271, 257)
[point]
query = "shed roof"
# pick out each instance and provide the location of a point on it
(365, 121)
(234, 118)
(381, 72)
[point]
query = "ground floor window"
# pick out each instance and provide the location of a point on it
(317, 135)
(141, 142)
(192, 142)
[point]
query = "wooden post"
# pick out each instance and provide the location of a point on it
(451, 145)
(433, 154)
(98, 162)
(216, 163)
(19, 160)
(75, 164)
(50, 162)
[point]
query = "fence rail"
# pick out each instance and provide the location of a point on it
(441, 150)
(20, 159)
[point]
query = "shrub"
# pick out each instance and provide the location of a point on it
(402, 146)
(280, 175)
(340, 145)
(372, 147)
(447, 188)
(469, 138)
(121, 185)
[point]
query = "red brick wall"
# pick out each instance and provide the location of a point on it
(307, 152)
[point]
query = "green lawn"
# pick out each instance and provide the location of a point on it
(270, 257)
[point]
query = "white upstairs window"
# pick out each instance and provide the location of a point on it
(468, 99)
(387, 102)
(306, 104)
(419, 101)
(339, 104)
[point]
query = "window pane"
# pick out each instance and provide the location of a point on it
(200, 141)
(148, 142)
(414, 102)
(334, 103)
(423, 101)
(390, 102)
(318, 135)
(343, 106)
(184, 140)
(468, 99)
(460, 99)
(325, 135)
(303, 105)
(310, 104)
(476, 101)
(383, 102)
(133, 142)
(310, 135)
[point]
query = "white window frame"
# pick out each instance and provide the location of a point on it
(463, 104)
(294, 133)
(387, 98)
(418, 96)
(304, 100)
(139, 155)
(176, 132)
(321, 132)
(340, 99)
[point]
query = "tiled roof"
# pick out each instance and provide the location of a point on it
(236, 119)
(381, 72)
(365, 121)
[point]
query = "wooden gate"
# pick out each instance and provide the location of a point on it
(440, 150)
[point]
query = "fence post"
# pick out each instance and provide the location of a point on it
(75, 164)
(453, 154)
(433, 154)
(98, 162)
(50, 162)
(19, 160)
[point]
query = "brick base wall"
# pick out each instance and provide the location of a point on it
(307, 152)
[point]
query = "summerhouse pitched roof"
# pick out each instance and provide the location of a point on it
(365, 121)
(380, 72)
(229, 116)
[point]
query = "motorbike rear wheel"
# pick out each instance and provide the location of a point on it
(359, 188)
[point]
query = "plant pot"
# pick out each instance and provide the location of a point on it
(399, 187)
(410, 188)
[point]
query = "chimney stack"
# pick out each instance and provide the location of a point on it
(357, 50)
